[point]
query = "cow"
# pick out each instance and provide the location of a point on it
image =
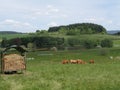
(91, 61)
(65, 61)
(81, 62)
(73, 61)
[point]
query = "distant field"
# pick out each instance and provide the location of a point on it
(99, 36)
(9, 36)
(45, 71)
(116, 43)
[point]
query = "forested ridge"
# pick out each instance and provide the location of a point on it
(79, 28)
(9, 32)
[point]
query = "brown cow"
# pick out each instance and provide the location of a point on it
(73, 61)
(81, 62)
(91, 61)
(65, 61)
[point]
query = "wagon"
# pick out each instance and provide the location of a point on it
(14, 61)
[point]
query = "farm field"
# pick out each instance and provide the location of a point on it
(9, 36)
(46, 72)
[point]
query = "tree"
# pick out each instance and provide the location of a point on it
(4, 42)
(15, 41)
(37, 31)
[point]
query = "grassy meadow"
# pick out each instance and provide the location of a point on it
(45, 71)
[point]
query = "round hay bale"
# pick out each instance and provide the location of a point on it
(13, 62)
(54, 49)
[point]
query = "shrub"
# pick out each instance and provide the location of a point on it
(107, 43)
(73, 41)
(89, 44)
(71, 33)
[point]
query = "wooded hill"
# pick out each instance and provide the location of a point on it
(9, 32)
(79, 28)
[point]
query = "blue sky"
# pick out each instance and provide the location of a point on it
(31, 15)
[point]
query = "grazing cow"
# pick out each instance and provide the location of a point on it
(65, 61)
(91, 61)
(81, 62)
(73, 61)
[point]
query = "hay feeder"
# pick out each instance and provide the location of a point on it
(13, 62)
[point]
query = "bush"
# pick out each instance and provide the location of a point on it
(71, 33)
(73, 41)
(47, 42)
(107, 43)
(89, 44)
(37, 41)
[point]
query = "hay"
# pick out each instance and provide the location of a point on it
(13, 62)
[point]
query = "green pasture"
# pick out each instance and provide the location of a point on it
(10, 36)
(116, 43)
(82, 36)
(88, 36)
(46, 72)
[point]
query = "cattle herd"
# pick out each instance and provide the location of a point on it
(79, 61)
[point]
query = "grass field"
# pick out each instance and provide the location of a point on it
(9, 36)
(45, 71)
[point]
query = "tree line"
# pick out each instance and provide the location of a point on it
(38, 42)
(60, 43)
(46, 41)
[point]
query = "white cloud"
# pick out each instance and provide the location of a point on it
(48, 11)
(110, 21)
(52, 8)
(118, 24)
(90, 19)
(98, 20)
(52, 24)
(16, 25)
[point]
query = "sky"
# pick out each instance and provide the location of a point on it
(32, 15)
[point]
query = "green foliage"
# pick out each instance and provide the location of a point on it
(46, 41)
(31, 46)
(39, 42)
(73, 41)
(107, 43)
(89, 44)
(41, 32)
(86, 43)
(15, 41)
(71, 32)
(80, 28)
(4, 43)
